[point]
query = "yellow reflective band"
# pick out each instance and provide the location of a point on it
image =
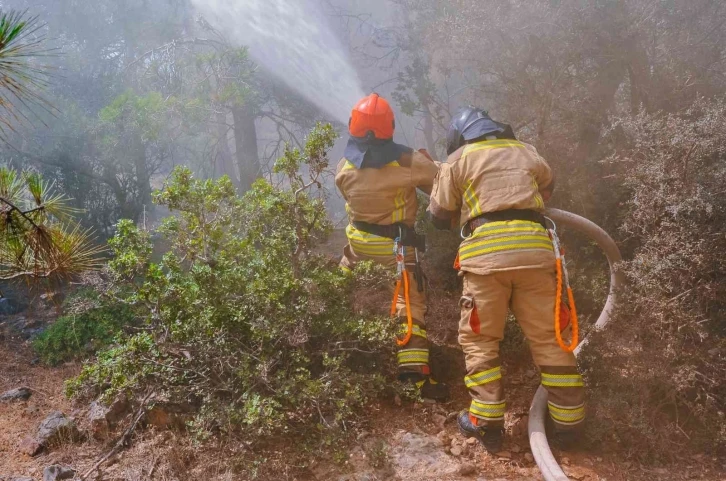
(490, 144)
(537, 196)
(346, 269)
(496, 232)
(416, 331)
(472, 201)
(484, 377)
(400, 203)
(564, 414)
(411, 356)
(369, 244)
(562, 380)
(540, 238)
(348, 166)
(507, 247)
(488, 410)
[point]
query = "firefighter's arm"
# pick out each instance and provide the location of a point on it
(423, 171)
(445, 202)
(543, 175)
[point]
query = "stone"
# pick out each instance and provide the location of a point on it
(18, 394)
(57, 472)
(471, 441)
(444, 438)
(456, 451)
(516, 449)
(30, 447)
(118, 409)
(20, 478)
(566, 461)
(439, 420)
(528, 457)
(57, 428)
(467, 469)
(419, 456)
(97, 421)
(504, 454)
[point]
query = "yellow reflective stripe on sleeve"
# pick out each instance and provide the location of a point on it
(416, 331)
(562, 380)
(488, 410)
(348, 166)
(490, 144)
(413, 356)
(483, 377)
(346, 269)
(400, 203)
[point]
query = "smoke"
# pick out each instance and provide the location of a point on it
(291, 39)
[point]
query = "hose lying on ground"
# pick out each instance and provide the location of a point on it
(538, 410)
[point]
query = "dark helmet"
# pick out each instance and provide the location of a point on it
(470, 123)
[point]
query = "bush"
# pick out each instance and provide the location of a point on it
(657, 374)
(89, 325)
(244, 323)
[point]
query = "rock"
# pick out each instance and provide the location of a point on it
(528, 457)
(504, 454)
(444, 438)
(417, 456)
(118, 410)
(57, 428)
(456, 450)
(57, 473)
(30, 447)
(516, 448)
(20, 478)
(97, 421)
(18, 394)
(397, 400)
(439, 420)
(471, 441)
(467, 469)
(566, 461)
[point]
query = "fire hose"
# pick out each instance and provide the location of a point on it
(551, 470)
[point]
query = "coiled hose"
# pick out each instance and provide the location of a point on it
(551, 471)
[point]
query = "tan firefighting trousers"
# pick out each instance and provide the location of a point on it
(530, 293)
(413, 357)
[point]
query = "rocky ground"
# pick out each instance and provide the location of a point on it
(45, 436)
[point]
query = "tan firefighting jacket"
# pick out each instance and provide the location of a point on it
(490, 176)
(383, 196)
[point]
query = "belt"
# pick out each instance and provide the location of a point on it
(407, 235)
(504, 215)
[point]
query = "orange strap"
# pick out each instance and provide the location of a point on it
(558, 308)
(409, 330)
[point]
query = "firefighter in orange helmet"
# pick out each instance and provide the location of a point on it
(378, 179)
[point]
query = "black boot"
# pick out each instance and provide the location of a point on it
(435, 391)
(490, 438)
(428, 388)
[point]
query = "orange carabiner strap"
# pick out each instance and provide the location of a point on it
(409, 331)
(560, 309)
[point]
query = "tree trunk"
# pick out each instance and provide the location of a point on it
(224, 163)
(245, 137)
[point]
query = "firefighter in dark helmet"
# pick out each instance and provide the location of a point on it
(378, 179)
(493, 188)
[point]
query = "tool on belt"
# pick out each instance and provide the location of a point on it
(563, 314)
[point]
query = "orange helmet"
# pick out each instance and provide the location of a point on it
(372, 114)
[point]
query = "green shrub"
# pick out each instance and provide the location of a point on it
(244, 323)
(90, 326)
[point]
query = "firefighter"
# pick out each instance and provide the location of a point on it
(493, 188)
(378, 179)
